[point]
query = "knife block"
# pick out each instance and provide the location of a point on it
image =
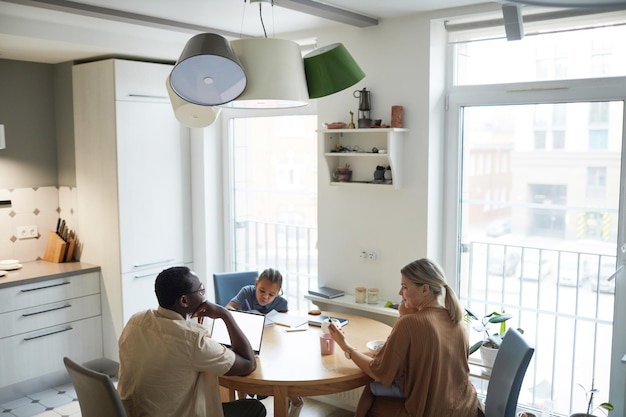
(55, 249)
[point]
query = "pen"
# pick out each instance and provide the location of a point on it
(248, 305)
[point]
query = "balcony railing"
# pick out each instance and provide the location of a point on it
(563, 301)
(292, 249)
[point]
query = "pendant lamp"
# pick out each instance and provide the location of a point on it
(275, 74)
(208, 72)
(190, 114)
(330, 69)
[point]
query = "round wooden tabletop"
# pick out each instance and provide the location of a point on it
(290, 364)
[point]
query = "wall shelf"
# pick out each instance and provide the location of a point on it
(347, 304)
(361, 159)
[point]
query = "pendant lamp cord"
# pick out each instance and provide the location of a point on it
(261, 17)
(271, 2)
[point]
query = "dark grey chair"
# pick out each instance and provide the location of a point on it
(228, 284)
(507, 375)
(97, 396)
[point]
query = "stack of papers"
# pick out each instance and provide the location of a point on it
(285, 319)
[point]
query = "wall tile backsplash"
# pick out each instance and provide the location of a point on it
(37, 206)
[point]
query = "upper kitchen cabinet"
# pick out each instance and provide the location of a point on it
(133, 182)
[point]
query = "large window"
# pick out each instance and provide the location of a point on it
(548, 51)
(547, 253)
(274, 199)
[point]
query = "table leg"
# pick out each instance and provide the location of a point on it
(281, 401)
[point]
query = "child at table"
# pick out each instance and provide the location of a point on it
(265, 296)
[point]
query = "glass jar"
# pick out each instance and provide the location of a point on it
(359, 294)
(372, 296)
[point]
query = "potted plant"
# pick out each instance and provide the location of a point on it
(604, 407)
(491, 342)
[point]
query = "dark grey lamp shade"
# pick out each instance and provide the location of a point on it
(208, 72)
(330, 69)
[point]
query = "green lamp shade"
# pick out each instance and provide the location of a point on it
(330, 69)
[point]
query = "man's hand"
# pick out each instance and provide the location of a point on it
(209, 309)
(245, 361)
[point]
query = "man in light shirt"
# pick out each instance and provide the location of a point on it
(169, 365)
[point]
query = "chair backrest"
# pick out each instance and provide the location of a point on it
(228, 284)
(97, 396)
(507, 375)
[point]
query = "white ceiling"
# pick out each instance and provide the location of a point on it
(53, 31)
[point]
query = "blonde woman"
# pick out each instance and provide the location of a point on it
(422, 369)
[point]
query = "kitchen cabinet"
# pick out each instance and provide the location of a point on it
(133, 183)
(353, 148)
(46, 320)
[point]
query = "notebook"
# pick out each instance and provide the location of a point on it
(251, 324)
(285, 319)
(326, 292)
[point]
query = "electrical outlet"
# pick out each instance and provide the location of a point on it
(27, 232)
(368, 254)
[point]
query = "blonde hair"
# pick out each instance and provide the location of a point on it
(426, 271)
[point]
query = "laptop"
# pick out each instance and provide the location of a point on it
(250, 323)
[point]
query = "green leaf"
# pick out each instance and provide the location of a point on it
(499, 318)
(475, 347)
(496, 339)
(607, 406)
(472, 315)
(388, 304)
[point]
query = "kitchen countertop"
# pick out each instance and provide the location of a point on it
(43, 270)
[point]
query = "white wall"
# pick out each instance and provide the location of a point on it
(404, 62)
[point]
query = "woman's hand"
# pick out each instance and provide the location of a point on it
(403, 309)
(338, 336)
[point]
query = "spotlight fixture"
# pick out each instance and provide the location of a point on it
(591, 4)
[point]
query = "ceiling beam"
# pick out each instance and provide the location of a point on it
(121, 16)
(327, 12)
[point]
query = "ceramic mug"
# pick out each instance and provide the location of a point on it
(327, 344)
(327, 322)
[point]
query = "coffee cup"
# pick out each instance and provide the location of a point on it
(327, 344)
(327, 322)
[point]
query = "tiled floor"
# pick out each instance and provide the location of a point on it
(61, 402)
(54, 402)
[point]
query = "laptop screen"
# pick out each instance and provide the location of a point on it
(250, 323)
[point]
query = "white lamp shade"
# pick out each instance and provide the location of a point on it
(275, 74)
(189, 114)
